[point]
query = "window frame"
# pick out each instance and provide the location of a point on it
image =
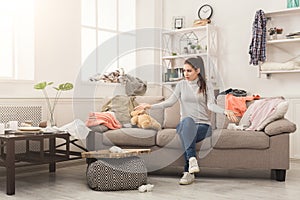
(13, 9)
(97, 29)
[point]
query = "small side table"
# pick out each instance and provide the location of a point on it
(108, 171)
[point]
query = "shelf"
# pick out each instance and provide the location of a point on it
(283, 44)
(288, 11)
(183, 56)
(184, 30)
(283, 41)
(280, 71)
(177, 41)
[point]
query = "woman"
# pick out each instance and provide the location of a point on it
(196, 98)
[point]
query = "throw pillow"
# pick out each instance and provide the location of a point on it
(122, 106)
(280, 126)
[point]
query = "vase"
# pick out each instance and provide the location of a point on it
(51, 121)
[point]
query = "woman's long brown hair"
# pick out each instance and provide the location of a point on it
(197, 63)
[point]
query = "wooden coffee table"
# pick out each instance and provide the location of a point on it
(10, 159)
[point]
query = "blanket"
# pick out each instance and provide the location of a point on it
(106, 118)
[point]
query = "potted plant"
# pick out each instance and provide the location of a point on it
(193, 50)
(199, 48)
(272, 33)
(51, 106)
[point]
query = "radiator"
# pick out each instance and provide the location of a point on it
(21, 114)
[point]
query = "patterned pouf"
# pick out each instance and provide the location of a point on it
(108, 174)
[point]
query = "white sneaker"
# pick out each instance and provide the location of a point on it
(187, 178)
(193, 165)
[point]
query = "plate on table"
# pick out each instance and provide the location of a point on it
(30, 128)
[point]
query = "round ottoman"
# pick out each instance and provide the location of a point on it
(107, 174)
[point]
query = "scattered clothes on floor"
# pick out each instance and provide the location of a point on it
(146, 188)
(116, 149)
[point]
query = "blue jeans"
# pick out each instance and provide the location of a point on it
(190, 133)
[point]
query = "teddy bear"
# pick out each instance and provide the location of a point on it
(143, 120)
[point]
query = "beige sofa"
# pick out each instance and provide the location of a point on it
(225, 149)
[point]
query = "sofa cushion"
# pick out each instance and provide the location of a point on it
(170, 139)
(235, 139)
(130, 137)
(172, 116)
(157, 114)
(280, 126)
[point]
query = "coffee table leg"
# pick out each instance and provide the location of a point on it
(10, 167)
(52, 164)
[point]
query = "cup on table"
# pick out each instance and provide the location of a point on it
(2, 128)
(12, 125)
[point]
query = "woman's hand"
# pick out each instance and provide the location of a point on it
(143, 106)
(230, 115)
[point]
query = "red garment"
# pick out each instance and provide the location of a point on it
(105, 118)
(237, 104)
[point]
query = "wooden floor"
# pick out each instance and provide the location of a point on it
(69, 182)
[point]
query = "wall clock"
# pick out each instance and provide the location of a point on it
(205, 12)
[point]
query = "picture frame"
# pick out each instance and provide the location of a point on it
(178, 22)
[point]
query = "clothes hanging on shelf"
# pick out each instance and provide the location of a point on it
(257, 49)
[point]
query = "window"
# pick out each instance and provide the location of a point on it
(17, 39)
(105, 24)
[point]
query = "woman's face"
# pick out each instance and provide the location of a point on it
(190, 73)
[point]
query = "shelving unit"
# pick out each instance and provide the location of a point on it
(180, 44)
(282, 49)
(288, 11)
(283, 41)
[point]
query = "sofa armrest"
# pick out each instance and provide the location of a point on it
(94, 140)
(280, 126)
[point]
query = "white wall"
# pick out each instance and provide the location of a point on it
(149, 16)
